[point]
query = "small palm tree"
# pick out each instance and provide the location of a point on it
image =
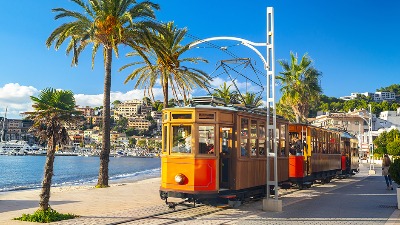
(251, 99)
(164, 54)
(53, 110)
(105, 24)
(300, 86)
(225, 93)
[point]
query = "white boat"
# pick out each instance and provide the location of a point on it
(15, 147)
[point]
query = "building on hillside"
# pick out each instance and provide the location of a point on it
(131, 109)
(139, 123)
(86, 111)
(390, 119)
(384, 96)
(17, 129)
(376, 97)
(157, 117)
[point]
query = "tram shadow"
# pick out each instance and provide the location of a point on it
(15, 205)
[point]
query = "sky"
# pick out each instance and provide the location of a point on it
(354, 44)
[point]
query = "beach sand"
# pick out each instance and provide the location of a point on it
(82, 200)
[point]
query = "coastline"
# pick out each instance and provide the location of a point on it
(83, 200)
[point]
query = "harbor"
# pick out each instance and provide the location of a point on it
(26, 172)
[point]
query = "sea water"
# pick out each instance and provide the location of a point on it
(26, 172)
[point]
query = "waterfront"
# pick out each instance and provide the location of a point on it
(26, 172)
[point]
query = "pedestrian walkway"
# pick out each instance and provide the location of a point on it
(360, 199)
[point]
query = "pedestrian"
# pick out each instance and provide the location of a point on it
(385, 171)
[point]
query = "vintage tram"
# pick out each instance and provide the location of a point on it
(211, 150)
(319, 154)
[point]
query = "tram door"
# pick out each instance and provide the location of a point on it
(225, 139)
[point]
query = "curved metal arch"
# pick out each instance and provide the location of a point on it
(244, 42)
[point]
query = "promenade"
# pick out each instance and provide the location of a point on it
(361, 199)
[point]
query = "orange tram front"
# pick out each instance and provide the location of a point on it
(318, 154)
(217, 151)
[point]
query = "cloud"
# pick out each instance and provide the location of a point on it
(16, 98)
(97, 100)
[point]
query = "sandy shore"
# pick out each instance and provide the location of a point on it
(82, 200)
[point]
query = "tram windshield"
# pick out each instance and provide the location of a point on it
(181, 139)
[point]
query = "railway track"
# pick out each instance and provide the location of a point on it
(159, 214)
(188, 214)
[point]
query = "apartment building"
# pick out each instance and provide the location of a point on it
(139, 123)
(377, 96)
(130, 109)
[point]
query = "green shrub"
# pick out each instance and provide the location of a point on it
(45, 216)
(101, 186)
(394, 171)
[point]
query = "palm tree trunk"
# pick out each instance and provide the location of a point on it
(105, 149)
(165, 90)
(48, 174)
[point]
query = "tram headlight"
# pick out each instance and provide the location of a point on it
(180, 178)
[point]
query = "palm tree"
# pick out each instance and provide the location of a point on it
(105, 24)
(164, 52)
(53, 109)
(225, 93)
(251, 99)
(300, 85)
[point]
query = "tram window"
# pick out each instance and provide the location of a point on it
(244, 126)
(253, 129)
(181, 116)
(282, 138)
(181, 139)
(206, 140)
(261, 130)
(261, 147)
(226, 141)
(165, 138)
(253, 147)
(244, 148)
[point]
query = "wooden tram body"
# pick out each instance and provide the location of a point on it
(319, 157)
(235, 166)
(350, 154)
(320, 154)
(211, 151)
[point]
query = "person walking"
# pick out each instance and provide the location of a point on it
(385, 171)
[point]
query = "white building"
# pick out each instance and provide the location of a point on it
(377, 96)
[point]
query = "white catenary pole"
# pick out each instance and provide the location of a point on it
(269, 65)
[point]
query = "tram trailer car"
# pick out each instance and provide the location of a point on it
(350, 154)
(213, 151)
(318, 154)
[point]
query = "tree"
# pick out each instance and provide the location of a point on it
(225, 93)
(385, 138)
(164, 46)
(393, 148)
(157, 105)
(141, 143)
(116, 103)
(121, 125)
(53, 110)
(251, 99)
(131, 131)
(300, 85)
(103, 24)
(132, 142)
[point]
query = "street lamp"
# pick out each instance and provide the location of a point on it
(370, 144)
